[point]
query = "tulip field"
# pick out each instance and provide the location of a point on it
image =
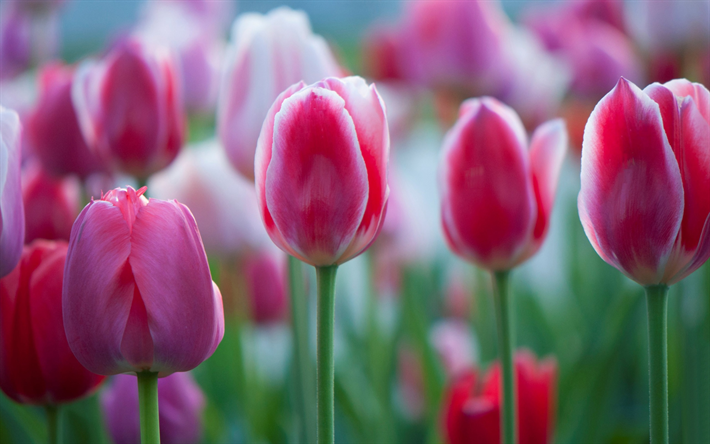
(420, 221)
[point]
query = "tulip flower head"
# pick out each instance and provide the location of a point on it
(12, 213)
(36, 364)
(180, 401)
(267, 54)
(472, 407)
(321, 170)
(644, 201)
(497, 195)
(138, 294)
(130, 107)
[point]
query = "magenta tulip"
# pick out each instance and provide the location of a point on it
(267, 55)
(644, 201)
(265, 275)
(496, 194)
(36, 364)
(12, 213)
(130, 107)
(51, 204)
(53, 128)
(181, 404)
(321, 170)
(138, 294)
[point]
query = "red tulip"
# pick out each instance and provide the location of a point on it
(267, 54)
(472, 414)
(644, 200)
(51, 204)
(36, 364)
(321, 170)
(130, 107)
(12, 213)
(53, 129)
(496, 195)
(138, 294)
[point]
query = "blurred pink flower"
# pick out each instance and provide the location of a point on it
(267, 54)
(138, 294)
(12, 213)
(265, 275)
(51, 204)
(180, 405)
(130, 107)
(454, 343)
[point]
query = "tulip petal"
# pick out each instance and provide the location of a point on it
(317, 179)
(481, 422)
(12, 214)
(547, 151)
(367, 110)
(632, 194)
(699, 93)
(489, 208)
(179, 299)
(458, 395)
(95, 306)
(261, 163)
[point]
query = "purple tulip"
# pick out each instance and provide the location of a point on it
(180, 402)
(12, 213)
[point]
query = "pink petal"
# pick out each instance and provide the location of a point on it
(699, 93)
(632, 194)
(171, 272)
(488, 200)
(547, 151)
(12, 213)
(367, 110)
(95, 305)
(316, 184)
(261, 163)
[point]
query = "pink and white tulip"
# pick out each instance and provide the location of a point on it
(496, 194)
(644, 201)
(138, 294)
(321, 170)
(267, 54)
(130, 107)
(12, 213)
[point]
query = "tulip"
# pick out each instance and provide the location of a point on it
(36, 364)
(129, 106)
(51, 204)
(267, 54)
(265, 273)
(15, 40)
(53, 129)
(181, 405)
(321, 186)
(644, 203)
(12, 213)
(496, 205)
(471, 413)
(454, 343)
(138, 295)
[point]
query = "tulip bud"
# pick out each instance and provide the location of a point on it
(130, 107)
(15, 40)
(644, 200)
(180, 406)
(496, 194)
(471, 414)
(51, 204)
(36, 364)
(138, 294)
(12, 213)
(267, 54)
(53, 129)
(321, 170)
(265, 273)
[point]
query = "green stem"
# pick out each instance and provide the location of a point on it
(304, 370)
(503, 308)
(148, 402)
(52, 424)
(657, 302)
(326, 368)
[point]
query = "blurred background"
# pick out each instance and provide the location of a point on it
(409, 313)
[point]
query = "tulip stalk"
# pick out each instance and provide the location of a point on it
(505, 353)
(148, 407)
(657, 303)
(299, 324)
(52, 424)
(326, 368)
